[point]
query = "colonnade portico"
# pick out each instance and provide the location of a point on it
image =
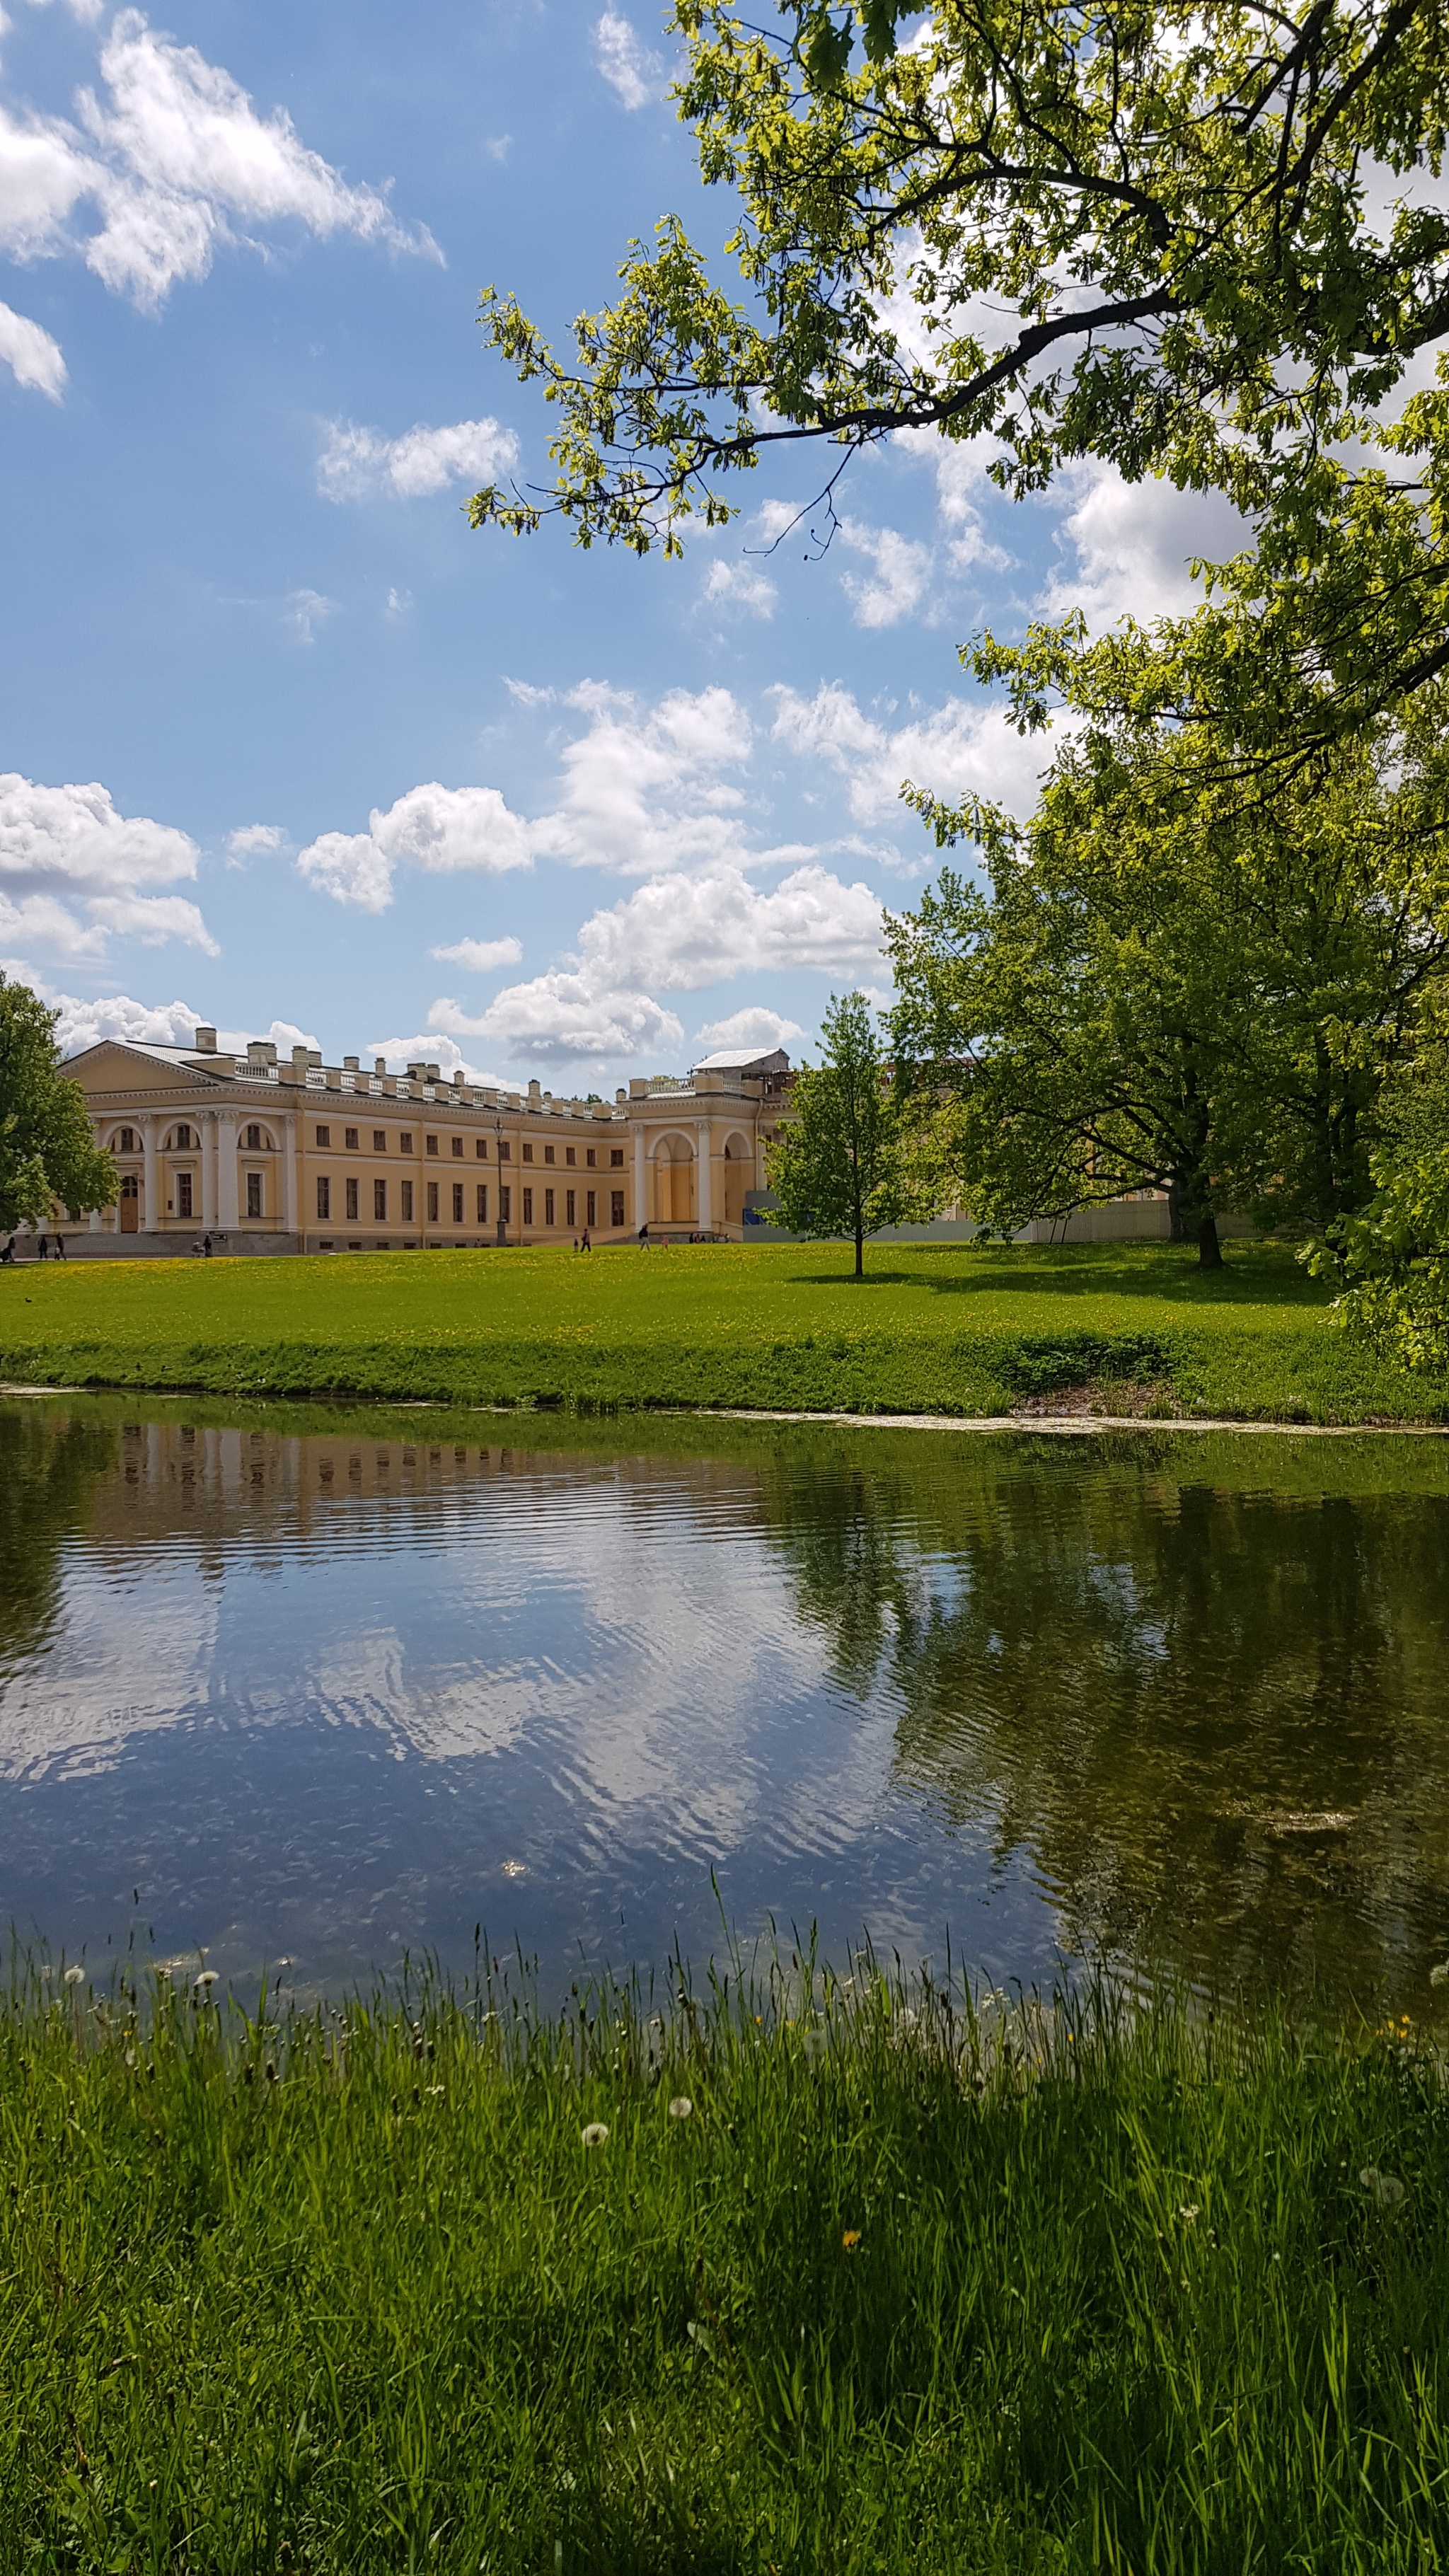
(259, 1155)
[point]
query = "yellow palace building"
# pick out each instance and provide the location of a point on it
(301, 1156)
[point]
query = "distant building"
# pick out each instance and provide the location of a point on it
(299, 1156)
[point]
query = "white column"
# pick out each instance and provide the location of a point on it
(289, 1175)
(208, 1170)
(641, 1180)
(702, 1217)
(152, 1212)
(95, 1220)
(227, 1216)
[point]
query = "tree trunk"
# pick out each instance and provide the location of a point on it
(1209, 1250)
(859, 1250)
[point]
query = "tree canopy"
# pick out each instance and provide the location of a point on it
(47, 1155)
(1192, 239)
(837, 1166)
(1167, 986)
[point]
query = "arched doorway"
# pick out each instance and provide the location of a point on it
(674, 1181)
(739, 1176)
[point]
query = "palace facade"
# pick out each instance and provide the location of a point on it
(301, 1156)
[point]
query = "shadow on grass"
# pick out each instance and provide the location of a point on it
(1259, 1274)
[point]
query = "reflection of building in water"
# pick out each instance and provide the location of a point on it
(307, 1157)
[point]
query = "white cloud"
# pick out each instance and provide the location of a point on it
(177, 162)
(357, 463)
(643, 791)
(84, 1023)
(497, 146)
(34, 359)
(740, 585)
(399, 603)
(63, 847)
(955, 750)
(480, 956)
(633, 73)
(251, 840)
(307, 612)
(432, 1046)
(1126, 546)
(753, 1027)
(526, 695)
(442, 830)
(960, 470)
(900, 578)
(675, 934)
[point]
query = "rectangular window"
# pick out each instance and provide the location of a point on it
(432, 1144)
(379, 1202)
(482, 1202)
(589, 1205)
(432, 1202)
(457, 1149)
(616, 1207)
(324, 1197)
(528, 1153)
(570, 1202)
(548, 1154)
(183, 1194)
(505, 1205)
(349, 1139)
(407, 1202)
(324, 1135)
(405, 1141)
(548, 1207)
(505, 1150)
(254, 1140)
(379, 1140)
(254, 1193)
(591, 1158)
(571, 1154)
(351, 1188)
(481, 1149)
(457, 1203)
(528, 1207)
(616, 1158)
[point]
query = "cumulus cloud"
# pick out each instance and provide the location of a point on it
(955, 750)
(899, 579)
(960, 465)
(1126, 547)
(85, 1022)
(307, 612)
(442, 830)
(356, 464)
(633, 73)
(752, 1027)
(480, 956)
(740, 585)
(644, 789)
(31, 355)
(253, 840)
(74, 872)
(177, 162)
(676, 934)
(431, 1046)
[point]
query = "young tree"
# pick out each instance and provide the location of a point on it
(46, 1150)
(837, 1166)
(1170, 988)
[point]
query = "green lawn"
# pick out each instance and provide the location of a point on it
(955, 1329)
(861, 2287)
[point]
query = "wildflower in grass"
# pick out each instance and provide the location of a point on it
(1440, 1976)
(74, 1976)
(851, 2239)
(1189, 2213)
(681, 2107)
(1385, 2188)
(595, 2135)
(206, 1980)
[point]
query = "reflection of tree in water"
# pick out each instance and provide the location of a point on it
(1215, 1719)
(49, 1471)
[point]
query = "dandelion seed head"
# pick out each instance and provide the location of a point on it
(1440, 1976)
(1385, 2188)
(595, 2135)
(75, 1976)
(681, 2107)
(207, 1979)
(1189, 2213)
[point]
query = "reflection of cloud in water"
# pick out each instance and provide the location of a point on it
(109, 1675)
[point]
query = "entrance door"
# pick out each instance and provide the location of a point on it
(130, 1203)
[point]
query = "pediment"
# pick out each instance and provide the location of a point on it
(111, 1065)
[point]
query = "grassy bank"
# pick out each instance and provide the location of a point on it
(953, 1329)
(896, 2291)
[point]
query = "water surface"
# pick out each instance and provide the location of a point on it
(333, 1689)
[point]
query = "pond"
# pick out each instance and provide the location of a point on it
(327, 1688)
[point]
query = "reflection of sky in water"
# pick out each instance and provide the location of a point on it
(334, 1699)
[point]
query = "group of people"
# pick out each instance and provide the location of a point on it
(45, 1245)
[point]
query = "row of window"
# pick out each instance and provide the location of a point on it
(351, 1145)
(186, 1192)
(352, 1208)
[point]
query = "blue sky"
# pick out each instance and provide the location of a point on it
(287, 747)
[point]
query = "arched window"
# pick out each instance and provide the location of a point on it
(126, 1141)
(254, 1140)
(182, 1140)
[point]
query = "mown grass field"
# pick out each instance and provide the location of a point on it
(954, 1329)
(860, 2285)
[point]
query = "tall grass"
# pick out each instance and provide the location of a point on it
(908, 2285)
